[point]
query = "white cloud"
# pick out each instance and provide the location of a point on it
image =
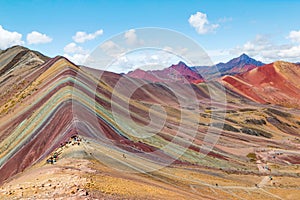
(200, 22)
(75, 53)
(77, 58)
(112, 49)
(294, 36)
(292, 52)
(260, 43)
(8, 39)
(267, 51)
(148, 59)
(81, 37)
(131, 37)
(260, 47)
(109, 45)
(37, 38)
(73, 48)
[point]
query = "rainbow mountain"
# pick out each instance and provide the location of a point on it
(156, 143)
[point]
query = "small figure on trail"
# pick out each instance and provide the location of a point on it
(49, 161)
(55, 155)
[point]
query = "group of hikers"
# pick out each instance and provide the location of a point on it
(53, 158)
(75, 139)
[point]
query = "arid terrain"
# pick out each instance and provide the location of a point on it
(65, 131)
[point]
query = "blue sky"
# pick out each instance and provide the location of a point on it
(266, 30)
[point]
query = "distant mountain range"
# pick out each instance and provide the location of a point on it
(181, 72)
(175, 73)
(276, 83)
